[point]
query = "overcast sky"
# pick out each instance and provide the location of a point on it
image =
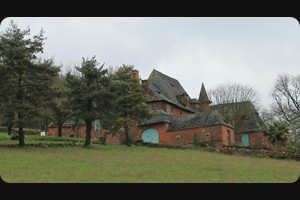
(251, 51)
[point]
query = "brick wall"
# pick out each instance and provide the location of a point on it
(134, 133)
(75, 132)
(204, 107)
(256, 140)
(163, 136)
(225, 131)
(214, 135)
(259, 140)
(168, 108)
(113, 139)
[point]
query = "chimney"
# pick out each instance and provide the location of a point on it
(204, 101)
(145, 84)
(135, 73)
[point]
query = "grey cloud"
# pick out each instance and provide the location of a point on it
(251, 51)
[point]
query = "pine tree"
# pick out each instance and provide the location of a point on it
(25, 79)
(60, 105)
(88, 93)
(130, 100)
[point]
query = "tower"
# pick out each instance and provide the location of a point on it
(204, 101)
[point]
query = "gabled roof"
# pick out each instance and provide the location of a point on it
(158, 116)
(163, 87)
(203, 98)
(243, 113)
(200, 119)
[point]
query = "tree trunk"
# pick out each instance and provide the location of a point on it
(128, 142)
(59, 130)
(104, 139)
(21, 137)
(9, 129)
(88, 124)
(20, 117)
(46, 127)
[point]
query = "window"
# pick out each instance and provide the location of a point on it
(96, 125)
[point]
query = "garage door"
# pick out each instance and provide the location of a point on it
(150, 135)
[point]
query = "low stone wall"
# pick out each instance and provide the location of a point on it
(42, 145)
(232, 150)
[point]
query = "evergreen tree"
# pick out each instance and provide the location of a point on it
(25, 79)
(130, 101)
(60, 107)
(88, 93)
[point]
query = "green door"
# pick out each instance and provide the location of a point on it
(150, 135)
(245, 140)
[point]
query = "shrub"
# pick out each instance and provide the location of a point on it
(201, 144)
(102, 140)
(198, 143)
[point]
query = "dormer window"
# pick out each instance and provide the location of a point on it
(157, 91)
(172, 85)
(183, 99)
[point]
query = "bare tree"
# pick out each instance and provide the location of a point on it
(232, 93)
(286, 106)
(268, 117)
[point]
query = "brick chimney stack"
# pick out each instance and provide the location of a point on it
(135, 73)
(145, 84)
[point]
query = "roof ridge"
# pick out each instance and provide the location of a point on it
(156, 71)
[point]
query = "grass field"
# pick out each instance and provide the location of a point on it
(121, 164)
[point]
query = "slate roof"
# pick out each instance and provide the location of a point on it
(67, 123)
(200, 119)
(159, 116)
(194, 103)
(163, 87)
(245, 113)
(203, 98)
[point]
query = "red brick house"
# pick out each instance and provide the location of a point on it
(180, 120)
(77, 129)
(177, 119)
(249, 128)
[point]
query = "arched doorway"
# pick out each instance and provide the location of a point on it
(150, 135)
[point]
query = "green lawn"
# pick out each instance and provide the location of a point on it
(117, 163)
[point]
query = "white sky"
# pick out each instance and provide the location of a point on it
(251, 51)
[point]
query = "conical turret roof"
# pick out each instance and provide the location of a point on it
(203, 98)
